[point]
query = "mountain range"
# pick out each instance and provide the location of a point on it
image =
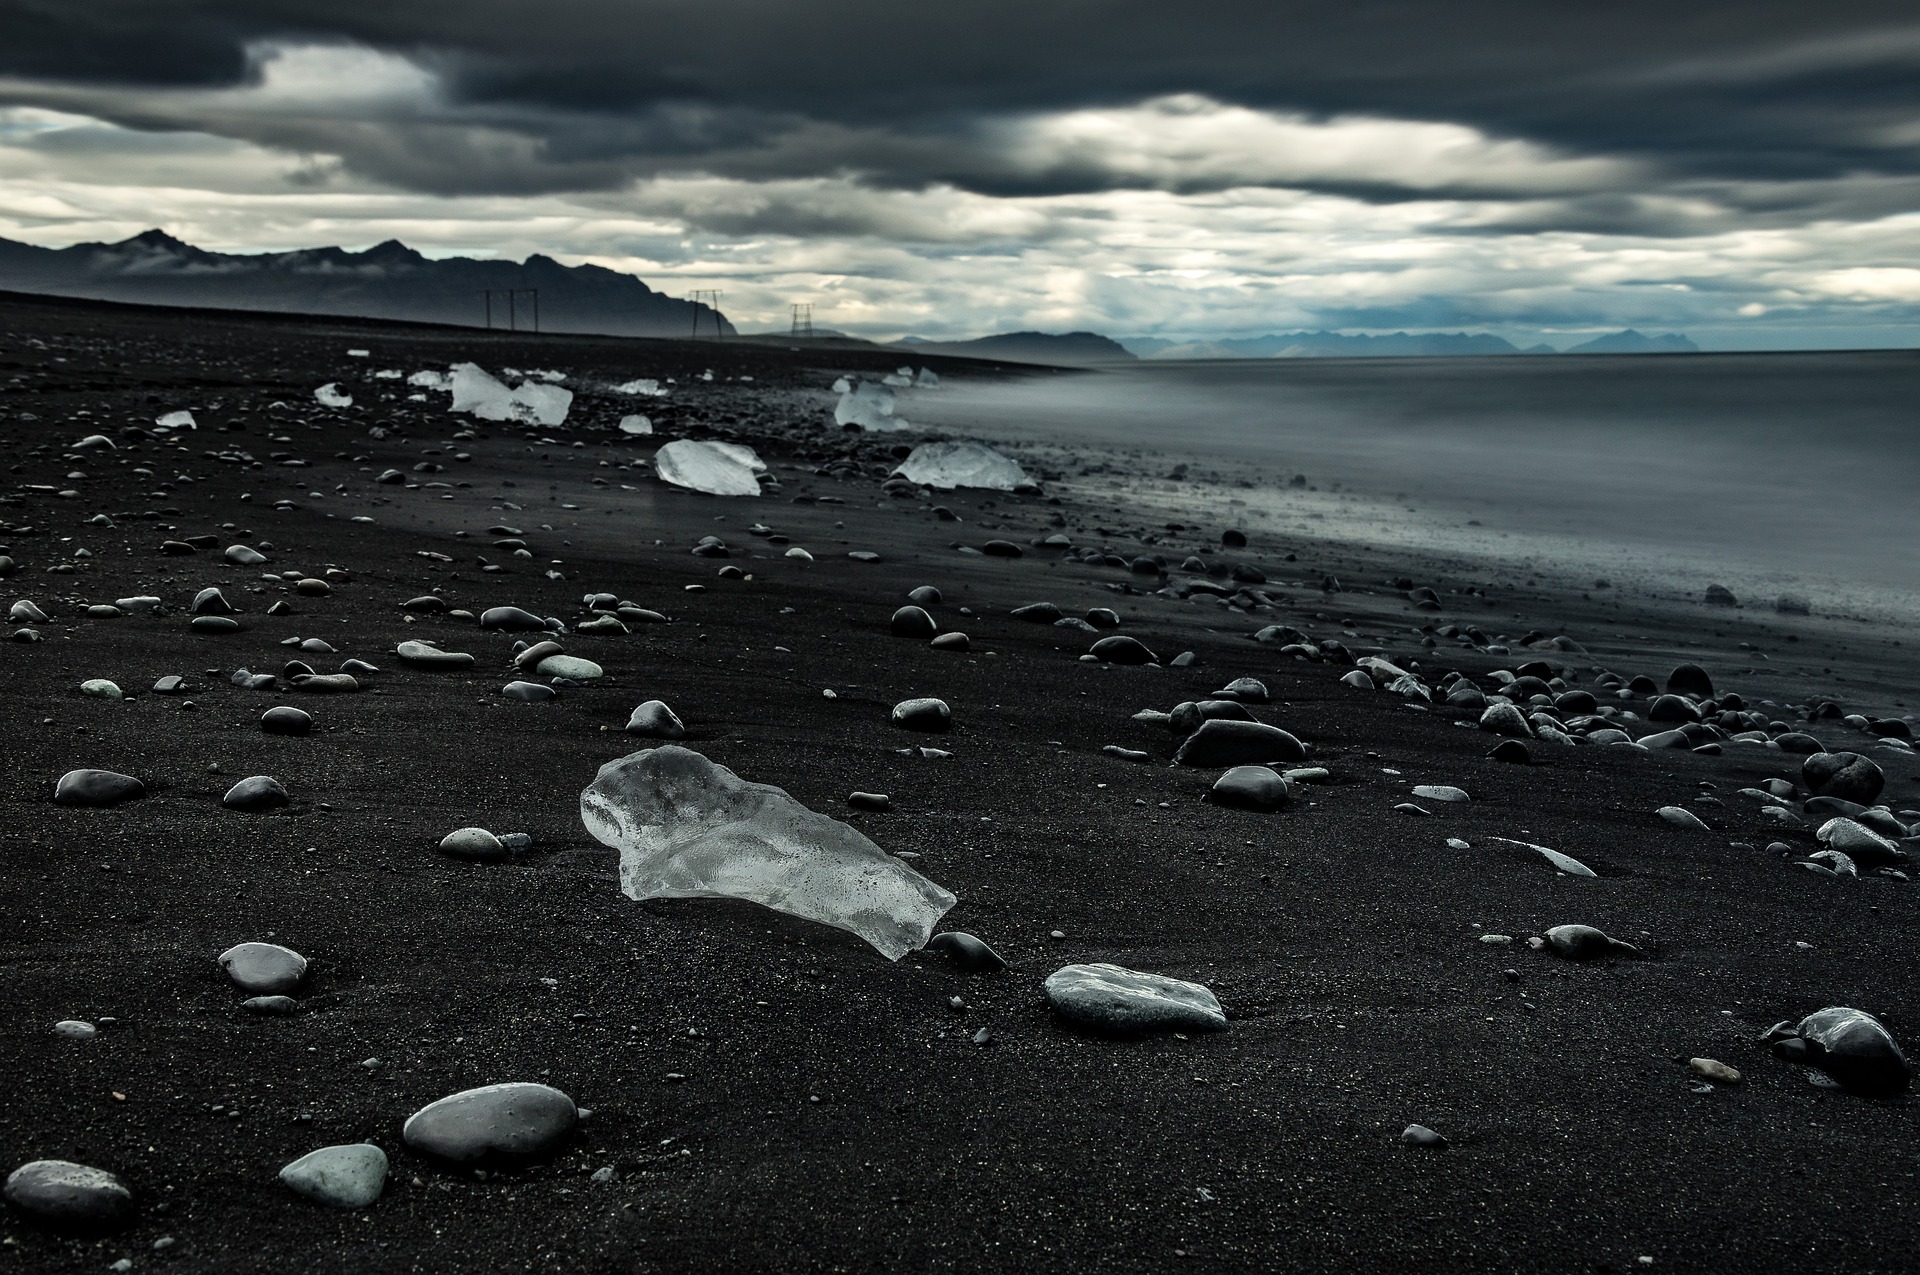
(1335, 345)
(1070, 349)
(387, 281)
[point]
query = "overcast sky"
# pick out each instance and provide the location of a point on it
(1746, 172)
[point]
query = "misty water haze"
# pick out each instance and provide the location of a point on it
(1761, 471)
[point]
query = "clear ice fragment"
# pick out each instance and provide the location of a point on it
(687, 828)
(960, 464)
(714, 468)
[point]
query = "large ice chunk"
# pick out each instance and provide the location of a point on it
(689, 829)
(870, 406)
(960, 464)
(636, 424)
(175, 420)
(479, 393)
(330, 395)
(714, 468)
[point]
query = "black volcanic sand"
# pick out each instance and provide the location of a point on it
(773, 1094)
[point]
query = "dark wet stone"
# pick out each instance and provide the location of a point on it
(286, 721)
(1186, 659)
(426, 604)
(531, 656)
(1186, 717)
(950, 642)
(512, 620)
(1247, 690)
(259, 792)
(913, 622)
(422, 655)
(1232, 538)
(529, 692)
(1251, 788)
(925, 596)
(1719, 595)
(272, 1006)
(1229, 743)
(1576, 702)
(326, 683)
(1799, 743)
(654, 720)
(1115, 1001)
(1001, 549)
(69, 1197)
(878, 802)
(1848, 1044)
(1123, 650)
(969, 953)
(264, 969)
(1505, 719)
(97, 788)
(1037, 613)
(923, 714)
(1690, 679)
(1511, 750)
(1672, 708)
(171, 684)
(210, 602)
(509, 1122)
(359, 668)
(1848, 776)
(214, 624)
(1105, 618)
(1585, 943)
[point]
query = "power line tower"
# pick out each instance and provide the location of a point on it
(803, 320)
(512, 296)
(709, 298)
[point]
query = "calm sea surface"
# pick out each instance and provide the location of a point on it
(1767, 472)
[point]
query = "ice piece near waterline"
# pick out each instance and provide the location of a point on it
(476, 392)
(843, 386)
(635, 425)
(689, 829)
(175, 420)
(432, 380)
(647, 386)
(707, 467)
(870, 406)
(960, 464)
(898, 380)
(329, 395)
(927, 380)
(741, 453)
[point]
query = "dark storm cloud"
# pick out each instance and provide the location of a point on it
(582, 94)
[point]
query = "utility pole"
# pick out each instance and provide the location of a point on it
(803, 320)
(709, 297)
(513, 296)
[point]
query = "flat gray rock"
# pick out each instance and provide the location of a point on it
(473, 843)
(257, 792)
(1114, 1000)
(1251, 788)
(512, 620)
(421, 655)
(922, 714)
(264, 969)
(70, 1197)
(515, 1121)
(97, 788)
(570, 666)
(529, 692)
(346, 1177)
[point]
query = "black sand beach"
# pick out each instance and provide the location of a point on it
(772, 1094)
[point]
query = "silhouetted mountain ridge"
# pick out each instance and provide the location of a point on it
(387, 281)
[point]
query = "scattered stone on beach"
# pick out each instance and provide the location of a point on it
(273, 1006)
(516, 1121)
(1680, 817)
(913, 622)
(1511, 751)
(97, 788)
(571, 667)
(922, 714)
(951, 642)
(512, 620)
(1505, 719)
(924, 596)
(1120, 649)
(26, 611)
(878, 802)
(1584, 943)
(425, 655)
(1418, 1135)
(532, 655)
(688, 828)
(1690, 679)
(1125, 754)
(1037, 613)
(75, 1029)
(1719, 595)
(264, 969)
(473, 843)
(1848, 776)
(210, 601)
(1441, 792)
(969, 953)
(1799, 743)
(1792, 604)
(1851, 1046)
(1113, 1000)
(1251, 788)
(1855, 839)
(345, 1177)
(257, 792)
(1221, 742)
(100, 688)
(654, 720)
(69, 1197)
(326, 683)
(1714, 1070)
(214, 624)
(245, 556)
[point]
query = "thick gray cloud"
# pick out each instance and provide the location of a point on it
(577, 94)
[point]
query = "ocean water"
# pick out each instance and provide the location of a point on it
(1765, 472)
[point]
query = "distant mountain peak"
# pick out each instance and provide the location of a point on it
(155, 238)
